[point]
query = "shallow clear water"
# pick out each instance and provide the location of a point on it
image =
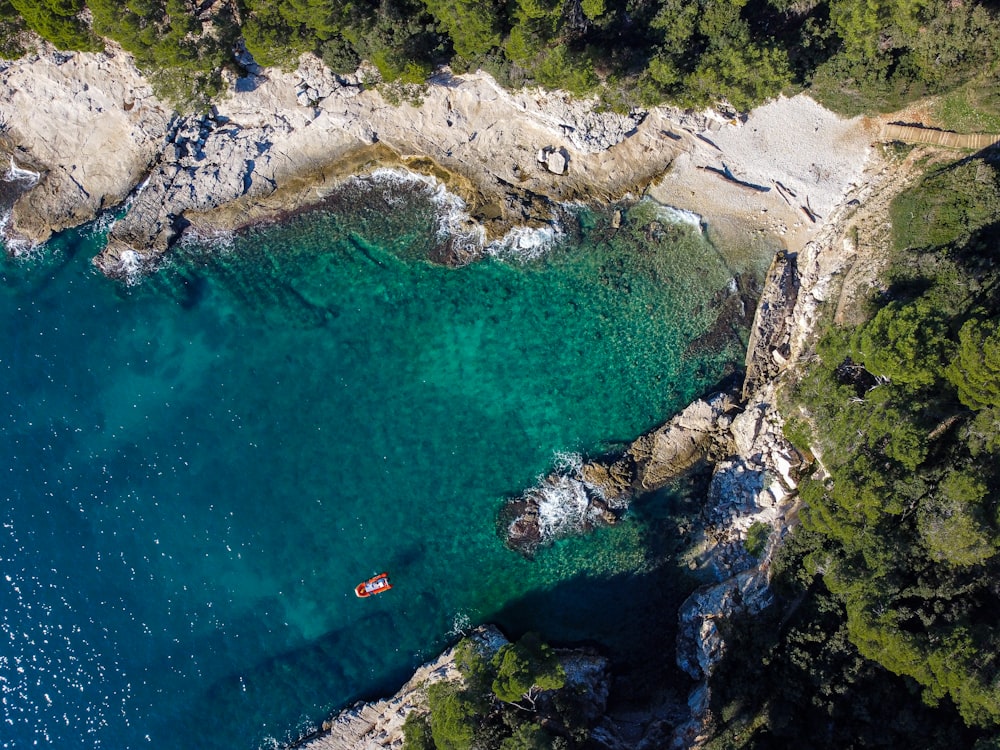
(199, 468)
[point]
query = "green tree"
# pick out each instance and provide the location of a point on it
(906, 343)
(454, 716)
(473, 27)
(559, 68)
(757, 536)
(11, 26)
(951, 522)
(946, 207)
(975, 370)
(417, 732)
(743, 74)
(58, 21)
(528, 736)
(526, 668)
(593, 9)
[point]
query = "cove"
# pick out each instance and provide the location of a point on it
(200, 467)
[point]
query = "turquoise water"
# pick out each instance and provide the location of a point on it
(200, 467)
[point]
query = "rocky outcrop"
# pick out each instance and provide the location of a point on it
(91, 127)
(379, 725)
(88, 124)
(770, 336)
(279, 141)
(758, 483)
(578, 497)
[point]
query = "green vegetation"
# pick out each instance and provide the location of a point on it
(513, 701)
(890, 584)
(856, 55)
(11, 27)
(792, 677)
(971, 108)
(757, 536)
(524, 669)
(58, 21)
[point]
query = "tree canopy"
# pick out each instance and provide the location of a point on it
(855, 54)
(904, 530)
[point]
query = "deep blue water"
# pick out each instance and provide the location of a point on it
(200, 467)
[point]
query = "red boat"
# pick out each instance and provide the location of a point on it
(374, 585)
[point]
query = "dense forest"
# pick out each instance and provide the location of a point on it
(889, 635)
(854, 54)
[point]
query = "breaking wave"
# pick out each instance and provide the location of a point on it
(460, 625)
(217, 241)
(563, 503)
(526, 243)
(453, 223)
(16, 246)
(564, 506)
(680, 216)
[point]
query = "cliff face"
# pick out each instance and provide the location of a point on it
(88, 124)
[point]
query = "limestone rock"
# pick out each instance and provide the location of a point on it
(554, 160)
(700, 645)
(682, 442)
(88, 123)
(379, 724)
(770, 337)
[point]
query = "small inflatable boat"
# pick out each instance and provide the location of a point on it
(374, 585)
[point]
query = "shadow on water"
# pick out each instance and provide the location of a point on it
(631, 617)
(334, 660)
(192, 289)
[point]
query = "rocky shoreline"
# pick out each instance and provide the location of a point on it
(754, 480)
(99, 139)
(91, 129)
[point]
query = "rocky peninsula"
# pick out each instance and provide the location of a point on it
(92, 137)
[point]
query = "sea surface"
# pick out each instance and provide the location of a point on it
(199, 467)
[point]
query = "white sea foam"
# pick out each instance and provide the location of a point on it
(460, 625)
(132, 265)
(563, 506)
(19, 174)
(564, 499)
(16, 246)
(526, 243)
(452, 215)
(217, 240)
(680, 216)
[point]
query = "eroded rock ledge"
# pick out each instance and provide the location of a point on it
(90, 126)
(754, 468)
